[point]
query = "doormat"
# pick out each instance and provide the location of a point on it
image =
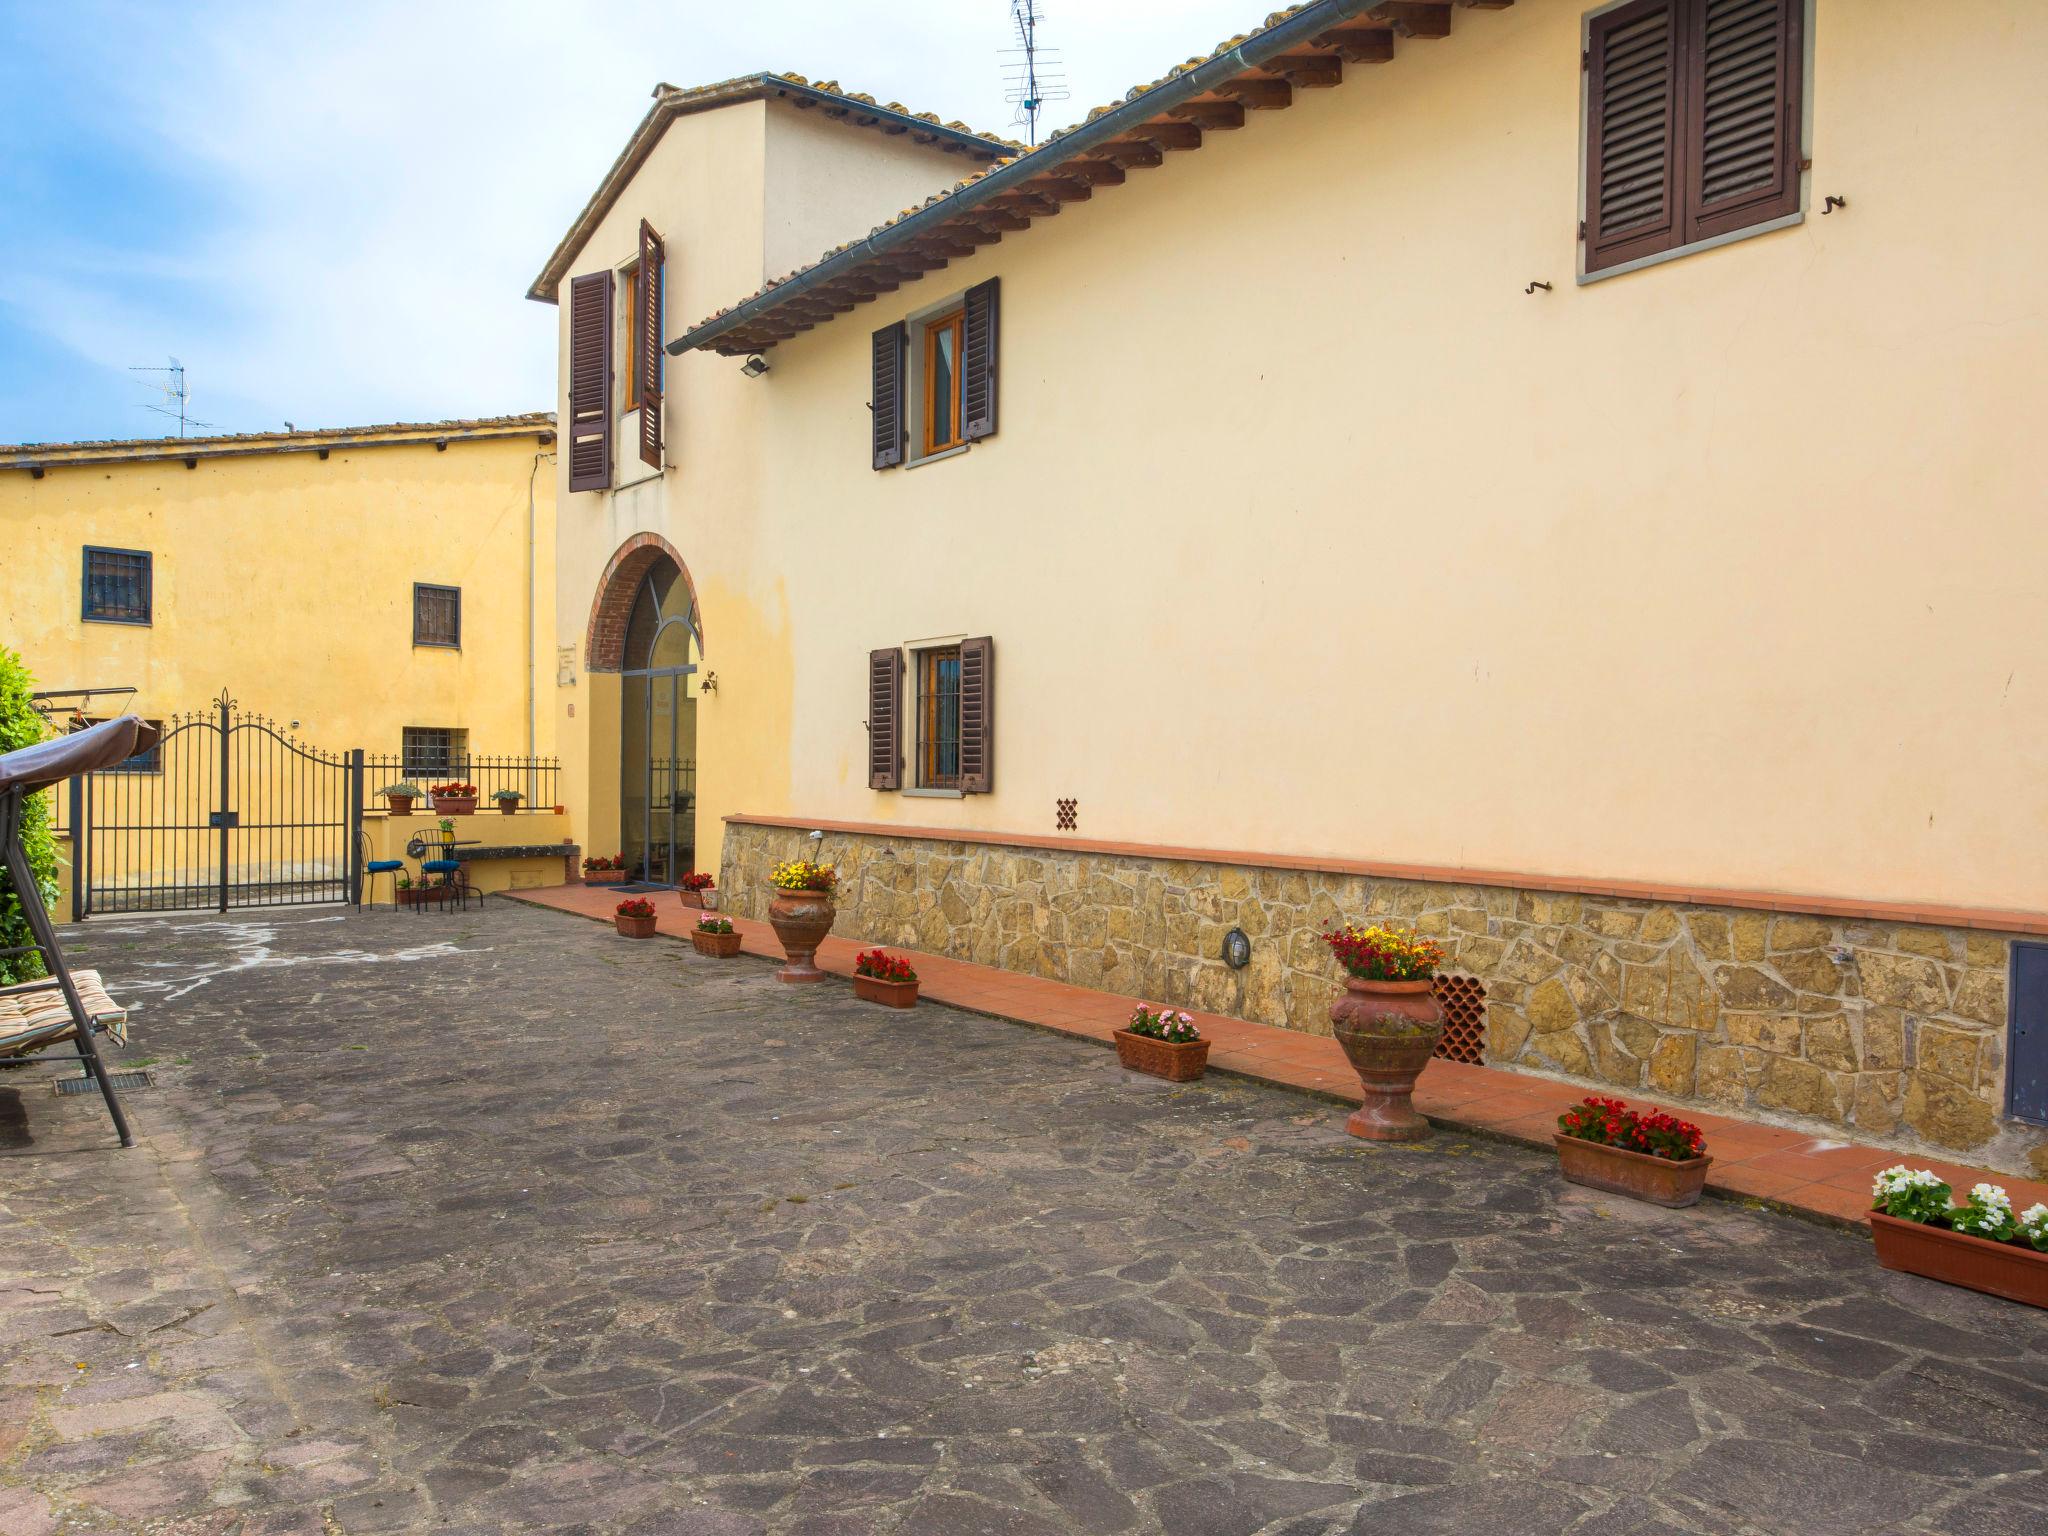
(122, 1081)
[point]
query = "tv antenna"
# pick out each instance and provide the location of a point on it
(1034, 72)
(172, 387)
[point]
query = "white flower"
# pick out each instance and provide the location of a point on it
(2035, 1215)
(1992, 1197)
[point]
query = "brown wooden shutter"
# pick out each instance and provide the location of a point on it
(885, 719)
(590, 382)
(977, 716)
(647, 309)
(1635, 76)
(978, 360)
(887, 399)
(1745, 64)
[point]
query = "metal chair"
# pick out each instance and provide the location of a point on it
(453, 877)
(23, 773)
(375, 867)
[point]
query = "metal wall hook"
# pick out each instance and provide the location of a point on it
(1534, 286)
(1831, 204)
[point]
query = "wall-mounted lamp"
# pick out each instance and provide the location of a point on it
(709, 683)
(754, 366)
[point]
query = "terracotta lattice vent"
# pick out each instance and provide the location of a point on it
(1463, 1000)
(1067, 814)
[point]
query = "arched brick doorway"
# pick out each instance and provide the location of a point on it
(645, 627)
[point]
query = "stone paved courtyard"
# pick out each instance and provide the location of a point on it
(503, 1223)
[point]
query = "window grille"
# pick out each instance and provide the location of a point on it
(938, 718)
(435, 752)
(117, 585)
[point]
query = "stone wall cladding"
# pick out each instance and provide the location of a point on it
(1895, 1031)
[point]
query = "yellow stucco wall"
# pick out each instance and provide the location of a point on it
(288, 580)
(738, 195)
(1307, 530)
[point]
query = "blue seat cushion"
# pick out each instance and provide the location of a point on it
(384, 866)
(440, 866)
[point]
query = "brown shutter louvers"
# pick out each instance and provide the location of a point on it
(977, 716)
(1692, 123)
(980, 331)
(647, 311)
(886, 399)
(885, 719)
(590, 382)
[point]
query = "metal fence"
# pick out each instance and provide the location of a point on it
(538, 780)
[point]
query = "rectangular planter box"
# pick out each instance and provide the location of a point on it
(1658, 1180)
(1159, 1058)
(719, 946)
(635, 927)
(890, 994)
(691, 899)
(424, 895)
(1956, 1258)
(455, 805)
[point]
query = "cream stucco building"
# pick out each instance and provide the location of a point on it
(1554, 473)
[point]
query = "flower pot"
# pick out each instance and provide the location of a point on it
(694, 900)
(1659, 1180)
(424, 895)
(508, 806)
(2010, 1270)
(455, 805)
(1389, 1030)
(634, 927)
(1179, 1061)
(719, 946)
(890, 994)
(401, 805)
(709, 899)
(801, 919)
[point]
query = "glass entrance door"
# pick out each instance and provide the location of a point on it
(658, 735)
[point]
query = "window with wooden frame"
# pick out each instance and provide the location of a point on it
(634, 329)
(436, 615)
(117, 586)
(942, 383)
(938, 717)
(1694, 125)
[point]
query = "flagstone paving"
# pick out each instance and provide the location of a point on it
(500, 1222)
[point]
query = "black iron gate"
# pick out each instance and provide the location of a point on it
(225, 811)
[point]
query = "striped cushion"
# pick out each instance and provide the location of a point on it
(31, 1020)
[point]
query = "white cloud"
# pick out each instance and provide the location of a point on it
(389, 176)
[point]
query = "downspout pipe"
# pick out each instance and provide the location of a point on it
(1254, 51)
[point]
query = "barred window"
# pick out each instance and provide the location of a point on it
(436, 615)
(117, 586)
(938, 718)
(435, 752)
(149, 760)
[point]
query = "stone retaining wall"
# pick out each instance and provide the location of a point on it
(1895, 1031)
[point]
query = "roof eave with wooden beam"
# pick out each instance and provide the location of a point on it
(1306, 49)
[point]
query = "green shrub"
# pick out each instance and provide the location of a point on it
(21, 726)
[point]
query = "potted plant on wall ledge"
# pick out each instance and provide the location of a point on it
(634, 917)
(1981, 1244)
(599, 870)
(456, 799)
(1388, 1022)
(691, 888)
(801, 913)
(880, 977)
(1163, 1042)
(1652, 1156)
(716, 937)
(402, 797)
(507, 800)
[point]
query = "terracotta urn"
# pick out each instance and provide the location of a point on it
(801, 919)
(1389, 1030)
(1659, 1180)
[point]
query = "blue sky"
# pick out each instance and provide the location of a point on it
(330, 213)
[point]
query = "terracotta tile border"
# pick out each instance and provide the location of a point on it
(1849, 907)
(1788, 1171)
